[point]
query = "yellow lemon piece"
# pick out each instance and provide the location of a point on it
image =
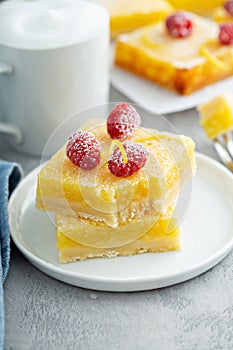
(205, 51)
(147, 41)
(117, 143)
(217, 115)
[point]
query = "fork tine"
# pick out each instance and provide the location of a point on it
(223, 153)
(229, 142)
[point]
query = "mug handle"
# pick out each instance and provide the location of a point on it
(6, 128)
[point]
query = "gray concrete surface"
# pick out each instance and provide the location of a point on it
(42, 313)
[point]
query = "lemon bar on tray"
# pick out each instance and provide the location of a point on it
(182, 57)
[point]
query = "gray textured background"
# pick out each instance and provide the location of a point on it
(42, 313)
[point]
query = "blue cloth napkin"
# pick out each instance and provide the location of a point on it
(10, 175)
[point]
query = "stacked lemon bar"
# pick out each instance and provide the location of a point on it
(114, 186)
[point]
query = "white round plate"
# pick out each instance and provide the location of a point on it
(206, 238)
(157, 99)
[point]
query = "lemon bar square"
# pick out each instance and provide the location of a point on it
(162, 236)
(217, 115)
(127, 15)
(66, 190)
(182, 65)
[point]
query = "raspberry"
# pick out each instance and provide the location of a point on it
(136, 154)
(229, 7)
(83, 149)
(122, 121)
(179, 25)
(225, 36)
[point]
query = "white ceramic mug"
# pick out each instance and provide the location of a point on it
(54, 62)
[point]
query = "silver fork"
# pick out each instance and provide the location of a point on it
(224, 147)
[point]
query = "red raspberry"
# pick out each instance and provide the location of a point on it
(225, 36)
(179, 25)
(122, 121)
(136, 154)
(229, 7)
(83, 149)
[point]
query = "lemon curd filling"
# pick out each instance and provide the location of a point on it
(82, 239)
(149, 41)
